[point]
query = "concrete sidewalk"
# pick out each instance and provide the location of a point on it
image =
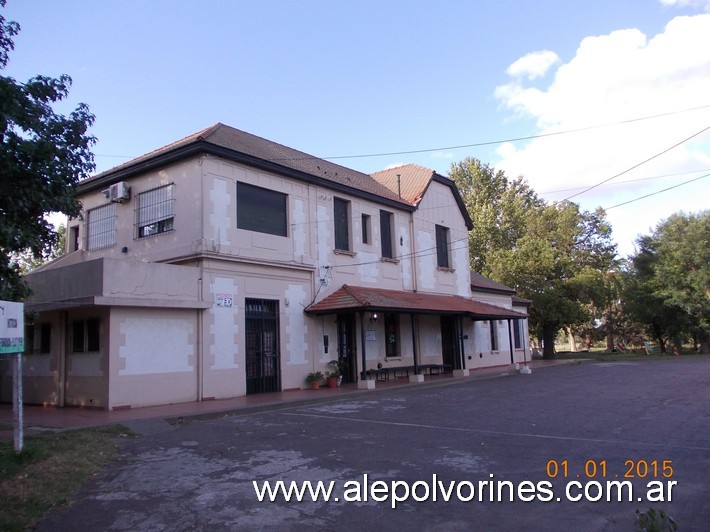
(155, 418)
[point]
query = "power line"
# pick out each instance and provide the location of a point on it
(637, 165)
(630, 181)
(657, 192)
(477, 144)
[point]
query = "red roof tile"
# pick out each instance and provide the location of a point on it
(378, 299)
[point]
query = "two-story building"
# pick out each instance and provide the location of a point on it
(225, 264)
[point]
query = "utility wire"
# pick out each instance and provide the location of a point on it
(657, 192)
(637, 165)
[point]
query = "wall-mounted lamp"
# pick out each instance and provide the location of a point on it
(373, 316)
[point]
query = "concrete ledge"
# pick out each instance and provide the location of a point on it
(368, 384)
(416, 378)
(525, 370)
(461, 373)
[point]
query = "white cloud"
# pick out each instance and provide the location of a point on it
(533, 65)
(701, 4)
(613, 78)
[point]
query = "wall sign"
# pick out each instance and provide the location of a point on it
(12, 327)
(225, 300)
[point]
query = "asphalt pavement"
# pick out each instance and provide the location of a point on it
(519, 452)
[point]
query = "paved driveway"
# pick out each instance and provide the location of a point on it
(541, 437)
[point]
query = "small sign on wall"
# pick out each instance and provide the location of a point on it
(225, 300)
(370, 336)
(12, 327)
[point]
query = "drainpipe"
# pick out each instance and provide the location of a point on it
(199, 347)
(412, 252)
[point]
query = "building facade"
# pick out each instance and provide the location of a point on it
(225, 264)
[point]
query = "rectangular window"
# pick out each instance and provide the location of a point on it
(74, 238)
(518, 333)
(442, 247)
(366, 231)
(101, 227)
(391, 335)
(154, 211)
(386, 234)
(45, 338)
(38, 338)
(261, 210)
(86, 336)
(341, 217)
(494, 335)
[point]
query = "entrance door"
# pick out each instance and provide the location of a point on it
(346, 346)
(450, 347)
(262, 346)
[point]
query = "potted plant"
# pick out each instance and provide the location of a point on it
(334, 376)
(314, 378)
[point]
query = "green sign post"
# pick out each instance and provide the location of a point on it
(12, 343)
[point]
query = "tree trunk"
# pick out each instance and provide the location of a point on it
(549, 332)
(572, 341)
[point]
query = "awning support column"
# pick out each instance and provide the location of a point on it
(510, 342)
(461, 345)
(414, 344)
(363, 374)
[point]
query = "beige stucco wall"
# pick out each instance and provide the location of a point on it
(153, 356)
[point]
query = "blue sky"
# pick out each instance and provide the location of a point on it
(368, 77)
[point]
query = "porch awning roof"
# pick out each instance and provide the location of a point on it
(358, 298)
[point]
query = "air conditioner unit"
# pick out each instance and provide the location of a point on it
(118, 192)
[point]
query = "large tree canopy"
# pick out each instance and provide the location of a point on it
(555, 255)
(669, 281)
(43, 155)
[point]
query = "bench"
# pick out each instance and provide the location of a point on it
(394, 372)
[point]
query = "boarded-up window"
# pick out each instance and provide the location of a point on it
(261, 210)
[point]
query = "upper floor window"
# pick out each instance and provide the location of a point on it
(341, 217)
(154, 211)
(386, 233)
(442, 247)
(366, 229)
(101, 227)
(262, 210)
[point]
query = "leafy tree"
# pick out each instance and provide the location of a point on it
(559, 264)
(27, 262)
(669, 282)
(498, 207)
(43, 155)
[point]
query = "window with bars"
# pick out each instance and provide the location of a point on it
(154, 211)
(442, 247)
(101, 227)
(262, 210)
(386, 234)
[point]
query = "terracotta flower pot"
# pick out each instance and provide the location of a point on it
(332, 382)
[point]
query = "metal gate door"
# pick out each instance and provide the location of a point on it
(262, 346)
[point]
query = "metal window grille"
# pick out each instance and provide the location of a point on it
(155, 211)
(262, 345)
(101, 227)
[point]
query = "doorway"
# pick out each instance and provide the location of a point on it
(450, 346)
(262, 346)
(346, 347)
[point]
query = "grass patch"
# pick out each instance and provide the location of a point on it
(606, 356)
(49, 470)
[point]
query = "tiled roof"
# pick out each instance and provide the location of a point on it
(412, 182)
(242, 145)
(354, 298)
(484, 284)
